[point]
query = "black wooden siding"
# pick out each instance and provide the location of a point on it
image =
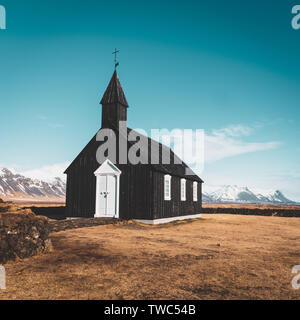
(175, 207)
(135, 186)
(141, 193)
(141, 190)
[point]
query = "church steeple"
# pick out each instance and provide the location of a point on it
(114, 92)
(114, 104)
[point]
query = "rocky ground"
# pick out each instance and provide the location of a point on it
(22, 235)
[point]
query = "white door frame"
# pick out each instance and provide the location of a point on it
(107, 169)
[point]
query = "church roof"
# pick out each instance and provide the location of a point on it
(114, 92)
(173, 169)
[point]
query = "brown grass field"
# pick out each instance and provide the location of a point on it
(216, 257)
(39, 203)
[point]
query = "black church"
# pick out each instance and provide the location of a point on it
(148, 191)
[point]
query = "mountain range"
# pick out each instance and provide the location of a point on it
(236, 194)
(18, 187)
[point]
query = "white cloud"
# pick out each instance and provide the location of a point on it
(13, 168)
(233, 131)
(219, 144)
(48, 173)
(227, 142)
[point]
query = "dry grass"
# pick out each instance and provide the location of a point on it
(217, 257)
(40, 203)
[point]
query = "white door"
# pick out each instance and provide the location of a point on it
(102, 196)
(106, 196)
(110, 196)
(107, 190)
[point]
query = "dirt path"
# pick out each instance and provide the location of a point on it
(217, 257)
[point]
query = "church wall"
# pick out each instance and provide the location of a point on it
(141, 193)
(174, 207)
(81, 187)
(135, 192)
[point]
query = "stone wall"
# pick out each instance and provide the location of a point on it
(23, 235)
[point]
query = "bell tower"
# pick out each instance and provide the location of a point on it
(114, 104)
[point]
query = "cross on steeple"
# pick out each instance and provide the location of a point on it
(115, 53)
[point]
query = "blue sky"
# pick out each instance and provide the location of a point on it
(229, 67)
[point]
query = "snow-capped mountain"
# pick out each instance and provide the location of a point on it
(231, 193)
(19, 187)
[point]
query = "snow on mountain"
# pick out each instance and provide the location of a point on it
(16, 186)
(276, 196)
(229, 193)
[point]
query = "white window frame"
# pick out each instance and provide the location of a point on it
(195, 191)
(183, 189)
(167, 179)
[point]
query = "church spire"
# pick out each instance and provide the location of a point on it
(114, 104)
(114, 92)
